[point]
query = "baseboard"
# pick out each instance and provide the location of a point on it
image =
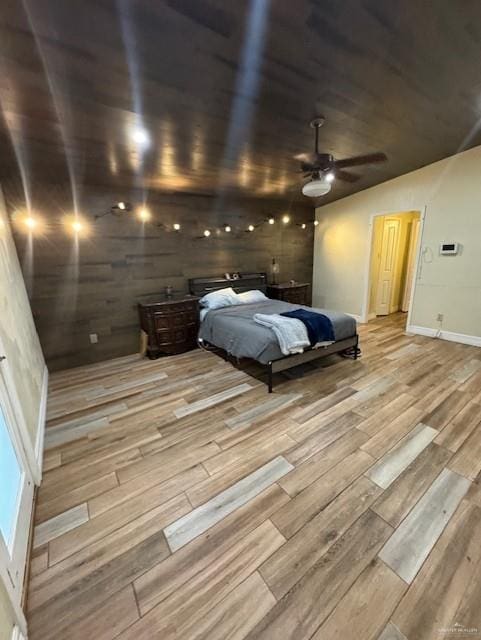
(371, 316)
(42, 417)
(474, 341)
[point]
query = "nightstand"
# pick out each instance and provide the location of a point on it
(295, 293)
(171, 324)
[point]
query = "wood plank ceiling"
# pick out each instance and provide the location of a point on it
(225, 90)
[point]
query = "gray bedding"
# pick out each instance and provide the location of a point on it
(234, 330)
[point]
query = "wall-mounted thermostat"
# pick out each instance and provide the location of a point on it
(448, 248)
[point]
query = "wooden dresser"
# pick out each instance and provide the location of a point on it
(296, 293)
(171, 324)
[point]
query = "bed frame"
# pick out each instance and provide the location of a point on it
(246, 282)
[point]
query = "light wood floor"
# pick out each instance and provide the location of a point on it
(180, 500)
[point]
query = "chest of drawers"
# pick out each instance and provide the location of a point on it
(171, 324)
(287, 292)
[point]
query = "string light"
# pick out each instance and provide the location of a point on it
(144, 214)
(75, 225)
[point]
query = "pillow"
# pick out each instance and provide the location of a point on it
(249, 297)
(221, 298)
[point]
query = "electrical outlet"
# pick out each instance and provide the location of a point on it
(440, 317)
(93, 338)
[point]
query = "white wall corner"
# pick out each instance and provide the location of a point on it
(474, 341)
(17, 634)
(357, 318)
(42, 418)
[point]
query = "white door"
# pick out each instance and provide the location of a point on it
(387, 268)
(16, 500)
(413, 243)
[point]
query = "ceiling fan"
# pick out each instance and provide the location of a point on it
(322, 168)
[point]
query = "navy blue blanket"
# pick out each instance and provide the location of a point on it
(319, 327)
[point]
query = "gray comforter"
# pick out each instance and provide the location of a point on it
(234, 330)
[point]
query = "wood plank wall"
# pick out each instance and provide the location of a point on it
(118, 264)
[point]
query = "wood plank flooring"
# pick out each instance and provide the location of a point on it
(181, 502)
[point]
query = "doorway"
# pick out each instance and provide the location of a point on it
(395, 239)
(16, 499)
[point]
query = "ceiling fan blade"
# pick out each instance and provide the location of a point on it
(307, 167)
(307, 158)
(346, 176)
(355, 161)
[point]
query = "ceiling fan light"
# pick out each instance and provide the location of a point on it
(317, 187)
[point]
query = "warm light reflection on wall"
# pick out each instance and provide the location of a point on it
(168, 174)
(244, 169)
(113, 164)
(197, 151)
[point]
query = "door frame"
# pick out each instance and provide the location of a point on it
(13, 559)
(417, 262)
(411, 259)
(23, 435)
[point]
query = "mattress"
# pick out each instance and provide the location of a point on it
(234, 330)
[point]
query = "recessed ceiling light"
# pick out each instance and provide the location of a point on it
(316, 222)
(177, 226)
(285, 219)
(271, 220)
(250, 227)
(141, 137)
(207, 233)
(227, 228)
(122, 206)
(303, 225)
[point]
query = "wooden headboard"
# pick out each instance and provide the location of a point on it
(246, 282)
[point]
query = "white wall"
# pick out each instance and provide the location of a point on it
(19, 340)
(451, 285)
(7, 621)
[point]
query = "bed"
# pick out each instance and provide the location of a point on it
(233, 329)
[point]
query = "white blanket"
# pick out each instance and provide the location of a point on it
(290, 332)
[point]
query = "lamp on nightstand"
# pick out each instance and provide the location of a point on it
(274, 271)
